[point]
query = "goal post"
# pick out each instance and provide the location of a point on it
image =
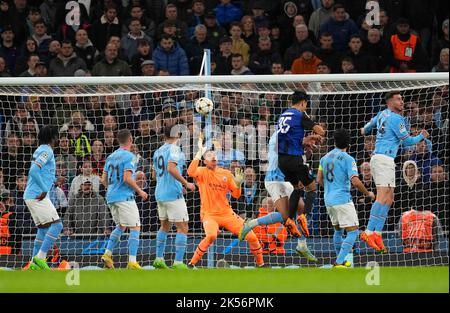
(88, 111)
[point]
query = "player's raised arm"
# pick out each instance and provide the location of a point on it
(193, 167)
(236, 182)
(403, 134)
(370, 125)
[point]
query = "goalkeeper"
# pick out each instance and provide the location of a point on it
(214, 183)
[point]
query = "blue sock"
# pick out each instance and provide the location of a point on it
(114, 238)
(133, 244)
(384, 211)
(40, 236)
(347, 246)
(272, 218)
(337, 240)
(375, 215)
(180, 246)
(51, 236)
(161, 238)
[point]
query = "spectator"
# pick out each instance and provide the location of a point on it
(8, 50)
(294, 51)
(79, 141)
(247, 205)
(227, 13)
(86, 174)
(105, 27)
(34, 109)
(136, 113)
(49, 9)
(261, 61)
(323, 68)
(248, 32)
(85, 49)
(272, 237)
(238, 44)
(16, 122)
(58, 197)
(32, 60)
(364, 204)
(405, 50)
(375, 48)
(422, 17)
(65, 154)
(110, 65)
(172, 18)
(410, 193)
(6, 230)
(144, 53)
(112, 107)
(440, 43)
(98, 158)
(237, 62)
(169, 55)
(196, 47)
(367, 152)
(340, 26)
(437, 193)
(129, 42)
(54, 48)
(223, 60)
(347, 66)
(67, 62)
(145, 140)
(28, 48)
(148, 68)
(215, 31)
(320, 15)
(9, 161)
(21, 222)
(442, 66)
(78, 118)
(109, 142)
(147, 24)
(363, 62)
(197, 17)
(42, 38)
(227, 153)
(307, 62)
(3, 70)
(327, 54)
(87, 212)
(277, 68)
(425, 160)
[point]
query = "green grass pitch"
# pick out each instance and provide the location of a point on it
(399, 279)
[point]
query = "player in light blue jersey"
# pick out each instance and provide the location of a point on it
(391, 133)
(337, 171)
(118, 178)
(280, 191)
(41, 177)
(168, 164)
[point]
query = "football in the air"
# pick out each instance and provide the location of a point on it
(204, 106)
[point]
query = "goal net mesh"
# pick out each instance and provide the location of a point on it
(244, 116)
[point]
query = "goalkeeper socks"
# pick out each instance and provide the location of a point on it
(293, 202)
(272, 218)
(133, 245)
(301, 243)
(309, 201)
(40, 236)
(337, 240)
(347, 246)
(113, 240)
(50, 237)
(375, 215)
(384, 211)
(161, 238)
(180, 246)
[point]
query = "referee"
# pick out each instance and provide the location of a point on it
(292, 125)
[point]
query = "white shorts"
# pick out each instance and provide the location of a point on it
(174, 211)
(125, 213)
(278, 190)
(343, 215)
(42, 212)
(382, 168)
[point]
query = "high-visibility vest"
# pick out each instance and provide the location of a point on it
(271, 237)
(5, 248)
(403, 50)
(417, 231)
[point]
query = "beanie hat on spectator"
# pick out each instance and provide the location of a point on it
(6, 28)
(147, 62)
(4, 194)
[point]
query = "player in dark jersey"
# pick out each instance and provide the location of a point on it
(292, 125)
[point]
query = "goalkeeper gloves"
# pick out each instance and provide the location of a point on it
(238, 177)
(201, 150)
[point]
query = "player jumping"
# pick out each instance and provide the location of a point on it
(214, 183)
(168, 163)
(41, 177)
(118, 178)
(391, 132)
(337, 169)
(279, 190)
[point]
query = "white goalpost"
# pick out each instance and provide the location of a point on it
(88, 112)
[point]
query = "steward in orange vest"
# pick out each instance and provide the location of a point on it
(272, 237)
(6, 245)
(405, 50)
(419, 231)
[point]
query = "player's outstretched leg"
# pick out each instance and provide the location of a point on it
(180, 245)
(51, 236)
(272, 218)
(133, 245)
(346, 247)
(114, 239)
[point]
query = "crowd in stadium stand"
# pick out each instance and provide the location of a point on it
(153, 37)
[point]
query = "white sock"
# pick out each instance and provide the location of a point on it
(176, 262)
(41, 255)
(132, 258)
(377, 232)
(369, 232)
(253, 223)
(301, 244)
(108, 252)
